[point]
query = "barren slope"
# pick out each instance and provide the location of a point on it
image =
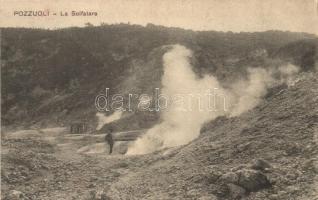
(218, 165)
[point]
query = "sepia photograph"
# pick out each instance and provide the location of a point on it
(159, 99)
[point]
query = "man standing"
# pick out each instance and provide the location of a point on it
(109, 140)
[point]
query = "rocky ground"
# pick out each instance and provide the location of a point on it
(269, 152)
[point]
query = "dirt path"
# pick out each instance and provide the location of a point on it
(71, 174)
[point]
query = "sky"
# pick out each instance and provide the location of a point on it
(219, 15)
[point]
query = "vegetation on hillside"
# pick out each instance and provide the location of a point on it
(51, 77)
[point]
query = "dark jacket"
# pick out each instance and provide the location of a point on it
(109, 138)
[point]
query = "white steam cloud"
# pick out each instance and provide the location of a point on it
(249, 92)
(246, 94)
(180, 126)
(102, 119)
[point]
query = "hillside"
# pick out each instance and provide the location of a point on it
(269, 152)
(51, 77)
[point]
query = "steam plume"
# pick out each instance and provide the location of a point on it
(102, 119)
(249, 92)
(246, 94)
(179, 126)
